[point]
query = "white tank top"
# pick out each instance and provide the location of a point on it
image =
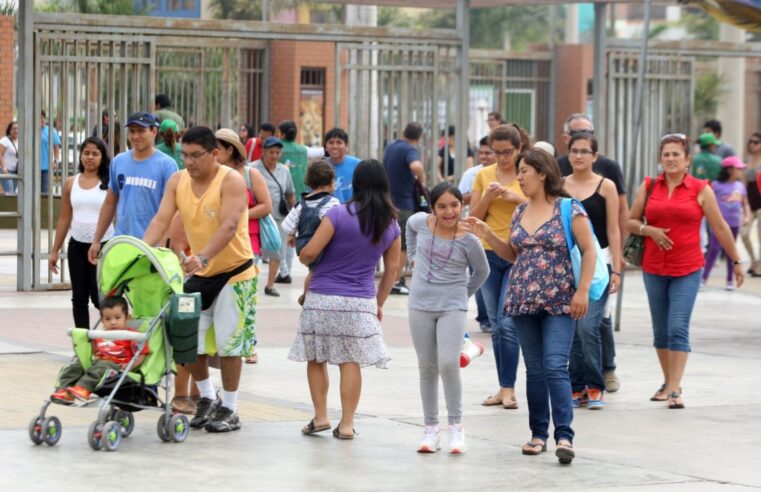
(86, 206)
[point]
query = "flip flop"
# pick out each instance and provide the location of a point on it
(534, 449)
(491, 401)
(675, 401)
(512, 405)
(252, 359)
(310, 428)
(565, 453)
(337, 434)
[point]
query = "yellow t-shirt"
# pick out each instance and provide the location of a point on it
(499, 216)
(201, 219)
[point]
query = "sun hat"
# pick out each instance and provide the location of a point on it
(230, 137)
(733, 161)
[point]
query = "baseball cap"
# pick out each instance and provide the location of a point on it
(545, 146)
(733, 161)
(706, 139)
(230, 137)
(168, 125)
(272, 142)
(144, 119)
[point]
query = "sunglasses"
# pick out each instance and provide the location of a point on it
(575, 133)
(674, 136)
(754, 142)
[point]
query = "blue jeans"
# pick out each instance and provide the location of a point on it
(671, 301)
(546, 342)
(9, 185)
(44, 181)
(586, 355)
(481, 316)
(504, 338)
(608, 345)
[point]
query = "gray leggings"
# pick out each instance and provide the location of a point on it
(437, 337)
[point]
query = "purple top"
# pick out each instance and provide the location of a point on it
(730, 197)
(542, 276)
(347, 267)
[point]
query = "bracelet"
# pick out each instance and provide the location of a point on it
(642, 228)
(737, 262)
(613, 272)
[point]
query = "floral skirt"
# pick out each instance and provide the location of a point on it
(337, 330)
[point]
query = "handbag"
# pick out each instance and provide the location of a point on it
(422, 198)
(269, 235)
(634, 245)
(282, 207)
(601, 277)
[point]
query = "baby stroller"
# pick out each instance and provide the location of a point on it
(166, 319)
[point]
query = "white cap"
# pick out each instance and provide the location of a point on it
(545, 146)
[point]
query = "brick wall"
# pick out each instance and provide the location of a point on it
(573, 69)
(287, 59)
(6, 75)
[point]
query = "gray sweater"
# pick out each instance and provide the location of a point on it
(450, 285)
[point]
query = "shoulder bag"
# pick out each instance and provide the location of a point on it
(282, 206)
(634, 246)
(268, 233)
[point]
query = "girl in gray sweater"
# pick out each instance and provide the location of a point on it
(442, 253)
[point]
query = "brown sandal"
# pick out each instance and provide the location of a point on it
(310, 428)
(337, 434)
(492, 401)
(532, 448)
(252, 359)
(564, 452)
(511, 405)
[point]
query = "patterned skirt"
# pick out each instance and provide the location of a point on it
(338, 329)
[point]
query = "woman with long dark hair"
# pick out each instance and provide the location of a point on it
(340, 323)
(82, 198)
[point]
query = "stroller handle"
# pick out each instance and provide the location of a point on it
(113, 335)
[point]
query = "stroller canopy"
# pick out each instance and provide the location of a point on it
(145, 275)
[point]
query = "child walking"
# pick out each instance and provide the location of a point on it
(442, 254)
(75, 383)
(732, 196)
(304, 219)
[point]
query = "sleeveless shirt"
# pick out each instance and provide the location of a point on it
(201, 219)
(598, 214)
(85, 208)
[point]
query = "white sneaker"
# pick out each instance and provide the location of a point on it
(457, 439)
(430, 443)
(730, 287)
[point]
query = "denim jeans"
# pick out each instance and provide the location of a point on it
(9, 185)
(481, 316)
(504, 338)
(546, 343)
(586, 355)
(608, 344)
(671, 301)
(44, 181)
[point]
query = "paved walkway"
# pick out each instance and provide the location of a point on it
(633, 444)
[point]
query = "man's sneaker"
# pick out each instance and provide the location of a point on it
(595, 399)
(579, 399)
(283, 280)
(612, 384)
(81, 394)
(62, 397)
(431, 442)
(457, 439)
(225, 420)
(400, 289)
(270, 291)
(205, 410)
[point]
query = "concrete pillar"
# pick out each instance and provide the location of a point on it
(572, 24)
(732, 103)
(366, 15)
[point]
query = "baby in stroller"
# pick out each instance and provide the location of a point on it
(76, 384)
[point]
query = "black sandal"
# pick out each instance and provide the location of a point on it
(530, 448)
(337, 434)
(675, 400)
(310, 428)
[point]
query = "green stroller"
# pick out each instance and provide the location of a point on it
(164, 318)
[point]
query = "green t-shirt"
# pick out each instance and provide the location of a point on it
(176, 155)
(295, 159)
(706, 165)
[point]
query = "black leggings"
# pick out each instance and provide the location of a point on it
(84, 284)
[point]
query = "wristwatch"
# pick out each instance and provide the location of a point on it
(204, 261)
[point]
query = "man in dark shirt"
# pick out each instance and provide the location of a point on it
(402, 162)
(608, 168)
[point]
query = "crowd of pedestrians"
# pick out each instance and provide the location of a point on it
(503, 235)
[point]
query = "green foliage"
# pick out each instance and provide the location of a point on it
(236, 9)
(699, 25)
(708, 93)
(105, 7)
(8, 8)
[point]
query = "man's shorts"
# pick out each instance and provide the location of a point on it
(228, 327)
(404, 216)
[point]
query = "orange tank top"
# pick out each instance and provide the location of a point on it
(201, 219)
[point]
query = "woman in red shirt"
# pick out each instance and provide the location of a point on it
(673, 257)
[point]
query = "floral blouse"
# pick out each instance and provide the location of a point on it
(542, 277)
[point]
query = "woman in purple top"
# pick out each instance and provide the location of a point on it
(340, 323)
(733, 204)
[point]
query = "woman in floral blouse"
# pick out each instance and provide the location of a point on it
(541, 299)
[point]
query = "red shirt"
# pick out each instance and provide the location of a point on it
(681, 214)
(256, 153)
(119, 351)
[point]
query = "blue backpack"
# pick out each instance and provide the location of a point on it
(601, 278)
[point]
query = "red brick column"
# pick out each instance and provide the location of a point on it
(573, 71)
(6, 75)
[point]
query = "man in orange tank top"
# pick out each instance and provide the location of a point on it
(211, 201)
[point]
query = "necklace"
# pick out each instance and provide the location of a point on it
(430, 256)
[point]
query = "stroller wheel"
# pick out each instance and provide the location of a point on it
(51, 430)
(127, 421)
(95, 435)
(112, 436)
(178, 428)
(163, 429)
(35, 430)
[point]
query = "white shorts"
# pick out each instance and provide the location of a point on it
(228, 327)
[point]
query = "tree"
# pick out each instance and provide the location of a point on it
(106, 7)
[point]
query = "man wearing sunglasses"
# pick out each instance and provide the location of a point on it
(607, 168)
